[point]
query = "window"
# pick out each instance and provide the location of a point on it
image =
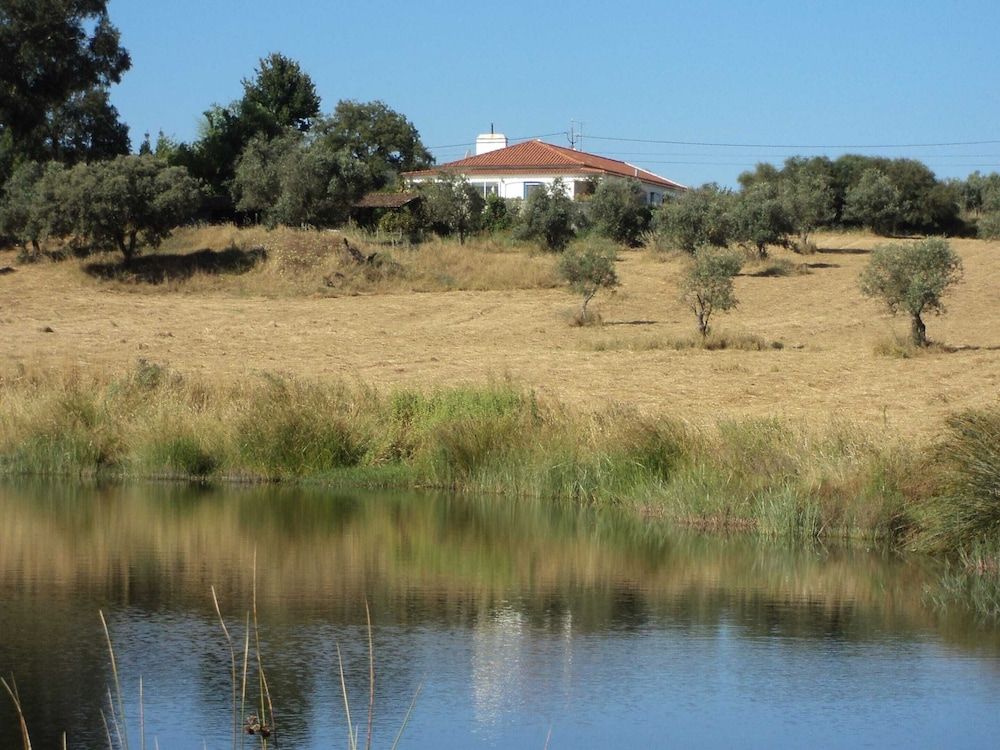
(530, 187)
(486, 189)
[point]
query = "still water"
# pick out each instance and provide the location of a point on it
(520, 623)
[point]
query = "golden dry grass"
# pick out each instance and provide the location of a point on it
(504, 318)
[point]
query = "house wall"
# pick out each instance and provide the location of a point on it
(514, 185)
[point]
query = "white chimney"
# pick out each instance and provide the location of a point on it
(486, 142)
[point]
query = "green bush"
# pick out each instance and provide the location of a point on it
(184, 455)
(966, 508)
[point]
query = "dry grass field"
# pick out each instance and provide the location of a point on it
(444, 315)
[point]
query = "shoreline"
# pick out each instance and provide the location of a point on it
(763, 476)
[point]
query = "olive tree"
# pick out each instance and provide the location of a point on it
(761, 217)
(451, 204)
(874, 202)
(114, 203)
(989, 221)
(809, 201)
(31, 209)
(588, 269)
(695, 218)
(707, 284)
(549, 216)
(619, 211)
(912, 278)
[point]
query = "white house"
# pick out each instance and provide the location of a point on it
(515, 171)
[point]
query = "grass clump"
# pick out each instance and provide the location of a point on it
(185, 456)
(965, 508)
(714, 341)
(294, 429)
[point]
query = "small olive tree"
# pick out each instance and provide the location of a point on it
(913, 278)
(707, 285)
(588, 269)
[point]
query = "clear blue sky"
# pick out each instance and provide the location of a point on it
(793, 74)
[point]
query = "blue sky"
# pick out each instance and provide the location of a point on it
(807, 77)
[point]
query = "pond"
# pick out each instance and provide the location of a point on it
(522, 624)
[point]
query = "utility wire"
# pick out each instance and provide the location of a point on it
(789, 145)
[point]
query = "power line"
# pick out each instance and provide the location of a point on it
(777, 156)
(790, 145)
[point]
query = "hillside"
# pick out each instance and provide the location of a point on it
(420, 328)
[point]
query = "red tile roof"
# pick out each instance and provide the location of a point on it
(536, 157)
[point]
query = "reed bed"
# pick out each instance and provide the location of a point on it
(762, 475)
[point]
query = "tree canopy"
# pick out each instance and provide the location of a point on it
(380, 138)
(57, 58)
(280, 95)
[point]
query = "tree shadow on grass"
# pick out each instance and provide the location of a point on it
(956, 348)
(844, 250)
(158, 269)
(823, 265)
(630, 322)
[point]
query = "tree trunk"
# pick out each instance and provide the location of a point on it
(126, 258)
(586, 300)
(918, 330)
(702, 323)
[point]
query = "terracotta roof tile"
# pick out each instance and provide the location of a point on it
(537, 157)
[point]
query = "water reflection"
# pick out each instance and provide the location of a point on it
(515, 617)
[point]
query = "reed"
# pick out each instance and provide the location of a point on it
(769, 476)
(11, 688)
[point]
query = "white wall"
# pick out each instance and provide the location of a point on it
(512, 186)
